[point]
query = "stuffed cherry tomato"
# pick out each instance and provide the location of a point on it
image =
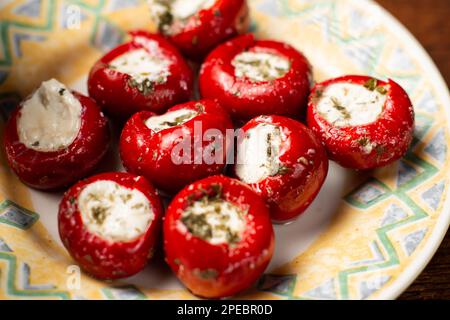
(364, 123)
(147, 73)
(254, 77)
(197, 26)
(187, 143)
(109, 223)
(55, 137)
(218, 238)
(283, 161)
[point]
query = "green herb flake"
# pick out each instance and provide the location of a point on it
(364, 141)
(99, 214)
(61, 91)
(208, 274)
(200, 107)
(382, 90)
(371, 84)
(380, 150)
(284, 170)
(337, 105)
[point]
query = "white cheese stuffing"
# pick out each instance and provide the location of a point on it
(216, 221)
(260, 66)
(113, 212)
(170, 119)
(258, 153)
(165, 11)
(345, 104)
(182, 9)
(50, 119)
(142, 66)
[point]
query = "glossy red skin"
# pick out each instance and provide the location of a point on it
(99, 257)
(54, 170)
(209, 27)
(289, 194)
(245, 99)
(391, 134)
(148, 153)
(112, 92)
(187, 254)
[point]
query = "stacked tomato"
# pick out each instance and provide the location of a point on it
(217, 231)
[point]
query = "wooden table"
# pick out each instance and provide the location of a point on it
(429, 21)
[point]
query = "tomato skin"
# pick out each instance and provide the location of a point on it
(245, 99)
(209, 27)
(102, 258)
(149, 153)
(289, 194)
(54, 170)
(113, 93)
(235, 268)
(391, 134)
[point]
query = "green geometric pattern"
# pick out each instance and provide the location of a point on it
(127, 292)
(14, 215)
(366, 50)
(104, 34)
(13, 276)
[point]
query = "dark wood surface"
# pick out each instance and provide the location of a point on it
(429, 22)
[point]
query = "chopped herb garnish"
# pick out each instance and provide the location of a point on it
(380, 150)
(340, 108)
(146, 87)
(35, 144)
(217, 13)
(61, 91)
(371, 84)
(200, 107)
(283, 170)
(207, 274)
(364, 141)
(99, 214)
(381, 90)
(178, 120)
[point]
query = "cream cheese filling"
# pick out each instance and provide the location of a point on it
(260, 66)
(113, 212)
(50, 119)
(214, 220)
(258, 153)
(170, 119)
(345, 104)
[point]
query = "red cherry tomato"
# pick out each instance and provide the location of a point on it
(197, 34)
(367, 145)
(295, 168)
(208, 267)
(123, 93)
(56, 169)
(101, 256)
(285, 93)
(180, 152)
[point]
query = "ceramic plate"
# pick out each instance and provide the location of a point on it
(366, 236)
